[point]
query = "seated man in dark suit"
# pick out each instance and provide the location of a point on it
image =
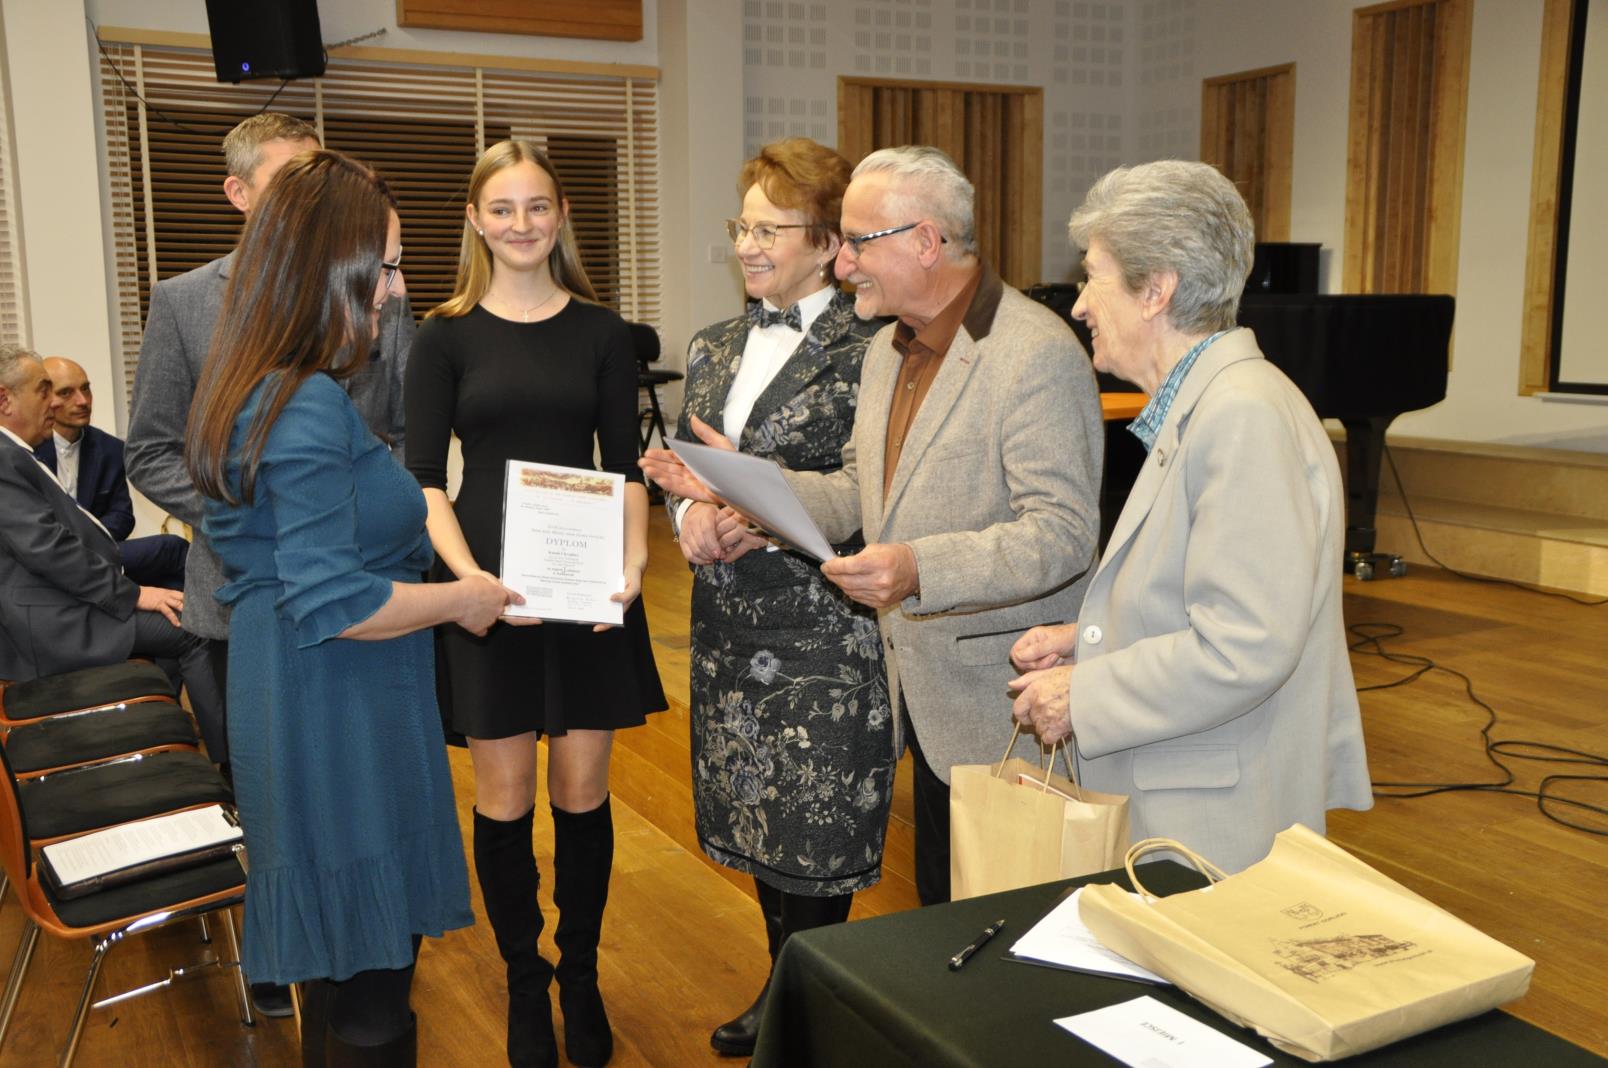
(88, 463)
(64, 600)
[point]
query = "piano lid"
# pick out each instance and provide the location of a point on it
(1356, 356)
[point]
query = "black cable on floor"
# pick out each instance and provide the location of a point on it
(1370, 641)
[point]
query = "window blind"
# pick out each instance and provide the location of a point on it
(421, 126)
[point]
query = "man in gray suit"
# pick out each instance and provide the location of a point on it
(178, 336)
(66, 603)
(973, 470)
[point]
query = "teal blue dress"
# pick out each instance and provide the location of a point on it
(340, 770)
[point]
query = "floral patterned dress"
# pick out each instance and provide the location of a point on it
(792, 736)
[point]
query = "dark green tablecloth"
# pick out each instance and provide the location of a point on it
(879, 992)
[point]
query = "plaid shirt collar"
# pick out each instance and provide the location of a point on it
(1148, 424)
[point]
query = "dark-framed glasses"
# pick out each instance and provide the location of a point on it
(764, 234)
(858, 243)
(389, 271)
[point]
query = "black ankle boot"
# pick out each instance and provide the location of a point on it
(398, 1052)
(736, 1037)
(583, 855)
(506, 867)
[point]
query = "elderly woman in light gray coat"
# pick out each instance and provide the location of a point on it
(1207, 675)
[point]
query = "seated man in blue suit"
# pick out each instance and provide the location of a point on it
(65, 602)
(88, 463)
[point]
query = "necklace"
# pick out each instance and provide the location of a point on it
(524, 313)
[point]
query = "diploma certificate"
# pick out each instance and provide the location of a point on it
(563, 544)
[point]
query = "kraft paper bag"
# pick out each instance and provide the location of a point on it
(1005, 833)
(1320, 953)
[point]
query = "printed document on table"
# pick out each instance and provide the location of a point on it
(1147, 1034)
(1060, 940)
(563, 544)
(130, 844)
(755, 487)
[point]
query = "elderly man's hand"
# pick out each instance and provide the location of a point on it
(1045, 647)
(878, 576)
(666, 468)
(1042, 705)
(156, 599)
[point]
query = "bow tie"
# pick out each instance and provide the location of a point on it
(761, 316)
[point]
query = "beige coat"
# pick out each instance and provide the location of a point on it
(1212, 684)
(997, 491)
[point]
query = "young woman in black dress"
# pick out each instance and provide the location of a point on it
(523, 364)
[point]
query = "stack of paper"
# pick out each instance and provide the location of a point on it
(1060, 940)
(95, 856)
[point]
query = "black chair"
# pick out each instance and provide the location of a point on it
(105, 917)
(645, 339)
(76, 691)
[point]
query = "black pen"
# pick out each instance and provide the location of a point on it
(959, 959)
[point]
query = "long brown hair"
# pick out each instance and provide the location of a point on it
(474, 258)
(299, 301)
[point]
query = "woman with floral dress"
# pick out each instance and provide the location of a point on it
(792, 740)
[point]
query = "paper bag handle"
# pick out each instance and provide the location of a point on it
(1058, 747)
(1169, 845)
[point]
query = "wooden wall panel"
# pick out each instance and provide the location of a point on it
(601, 20)
(1404, 180)
(1535, 345)
(995, 134)
(1247, 131)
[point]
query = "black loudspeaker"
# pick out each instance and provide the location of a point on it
(265, 39)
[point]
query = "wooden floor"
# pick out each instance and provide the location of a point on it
(683, 948)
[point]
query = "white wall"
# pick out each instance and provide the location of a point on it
(58, 191)
(701, 110)
(1482, 401)
(341, 20)
(1122, 83)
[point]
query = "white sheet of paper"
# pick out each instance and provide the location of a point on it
(563, 543)
(755, 487)
(1147, 1034)
(1061, 941)
(129, 844)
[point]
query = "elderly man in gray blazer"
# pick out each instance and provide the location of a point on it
(1207, 676)
(178, 336)
(973, 470)
(67, 604)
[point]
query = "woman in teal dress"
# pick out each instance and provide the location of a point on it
(339, 770)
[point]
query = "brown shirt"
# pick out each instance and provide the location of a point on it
(922, 354)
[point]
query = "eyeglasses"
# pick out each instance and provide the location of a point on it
(389, 271)
(764, 234)
(858, 243)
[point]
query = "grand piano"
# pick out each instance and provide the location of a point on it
(1360, 359)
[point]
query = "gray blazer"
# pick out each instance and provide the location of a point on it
(178, 334)
(1212, 684)
(997, 492)
(66, 603)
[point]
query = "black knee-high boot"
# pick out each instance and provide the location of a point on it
(315, 998)
(583, 856)
(736, 1037)
(506, 865)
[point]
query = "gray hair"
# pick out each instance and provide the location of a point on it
(931, 186)
(1174, 215)
(11, 358)
(242, 146)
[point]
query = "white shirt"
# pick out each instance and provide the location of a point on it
(765, 353)
(46, 469)
(67, 462)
